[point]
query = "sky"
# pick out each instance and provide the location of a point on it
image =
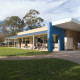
(50, 10)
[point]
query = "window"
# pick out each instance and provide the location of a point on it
(26, 40)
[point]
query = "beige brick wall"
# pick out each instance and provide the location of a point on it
(75, 35)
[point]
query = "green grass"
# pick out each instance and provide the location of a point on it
(4, 51)
(39, 69)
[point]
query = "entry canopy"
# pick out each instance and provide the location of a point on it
(69, 23)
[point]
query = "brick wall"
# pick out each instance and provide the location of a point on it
(75, 35)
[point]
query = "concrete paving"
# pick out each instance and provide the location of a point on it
(67, 55)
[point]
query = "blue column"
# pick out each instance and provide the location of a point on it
(50, 43)
(61, 41)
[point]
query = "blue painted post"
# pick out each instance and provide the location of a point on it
(61, 41)
(50, 43)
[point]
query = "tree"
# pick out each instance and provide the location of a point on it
(3, 29)
(32, 20)
(13, 24)
(2, 38)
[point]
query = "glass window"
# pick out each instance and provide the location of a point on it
(26, 40)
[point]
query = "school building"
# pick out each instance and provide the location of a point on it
(59, 35)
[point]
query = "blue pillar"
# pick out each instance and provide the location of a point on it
(50, 43)
(61, 41)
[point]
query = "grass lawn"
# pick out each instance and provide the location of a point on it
(39, 69)
(5, 51)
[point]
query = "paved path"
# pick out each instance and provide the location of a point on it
(67, 55)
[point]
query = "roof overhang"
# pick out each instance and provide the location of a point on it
(69, 23)
(26, 35)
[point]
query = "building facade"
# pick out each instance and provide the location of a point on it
(59, 35)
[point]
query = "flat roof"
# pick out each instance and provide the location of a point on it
(37, 31)
(33, 30)
(29, 34)
(69, 23)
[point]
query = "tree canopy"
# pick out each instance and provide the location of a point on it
(32, 20)
(13, 24)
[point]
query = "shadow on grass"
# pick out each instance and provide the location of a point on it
(39, 69)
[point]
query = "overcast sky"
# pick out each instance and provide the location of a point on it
(50, 10)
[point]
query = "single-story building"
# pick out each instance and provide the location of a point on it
(59, 35)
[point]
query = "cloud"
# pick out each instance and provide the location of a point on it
(50, 10)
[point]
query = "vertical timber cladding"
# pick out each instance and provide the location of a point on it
(75, 35)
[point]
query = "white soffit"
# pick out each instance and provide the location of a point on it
(69, 23)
